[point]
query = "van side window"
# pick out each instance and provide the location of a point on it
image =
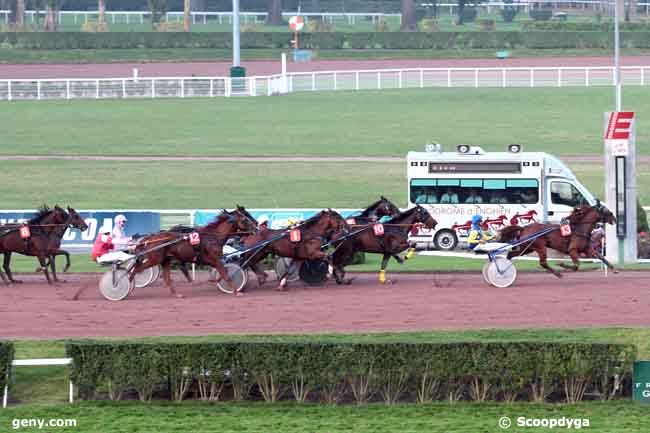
(474, 191)
(566, 194)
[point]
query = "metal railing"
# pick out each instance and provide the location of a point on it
(193, 87)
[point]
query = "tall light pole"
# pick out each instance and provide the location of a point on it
(617, 59)
(235, 33)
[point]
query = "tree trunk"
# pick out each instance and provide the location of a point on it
(274, 12)
(50, 19)
(630, 11)
(101, 8)
(409, 23)
(187, 17)
(461, 8)
(20, 14)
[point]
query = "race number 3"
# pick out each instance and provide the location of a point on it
(25, 233)
(195, 239)
(378, 229)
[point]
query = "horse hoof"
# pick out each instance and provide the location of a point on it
(239, 294)
(179, 296)
(348, 282)
(17, 281)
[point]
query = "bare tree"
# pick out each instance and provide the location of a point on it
(51, 15)
(101, 9)
(409, 23)
(20, 14)
(274, 12)
(187, 18)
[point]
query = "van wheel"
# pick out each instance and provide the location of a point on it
(445, 240)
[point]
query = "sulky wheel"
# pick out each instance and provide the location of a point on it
(238, 276)
(281, 266)
(501, 272)
(314, 272)
(115, 285)
(485, 272)
(146, 277)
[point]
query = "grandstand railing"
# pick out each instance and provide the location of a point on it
(192, 87)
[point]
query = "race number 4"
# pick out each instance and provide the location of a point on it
(378, 229)
(195, 239)
(25, 233)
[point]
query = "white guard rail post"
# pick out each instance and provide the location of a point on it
(40, 362)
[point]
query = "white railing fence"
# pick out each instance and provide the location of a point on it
(192, 87)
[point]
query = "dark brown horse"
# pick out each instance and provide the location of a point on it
(54, 246)
(369, 239)
(308, 238)
(582, 221)
(379, 209)
(203, 245)
(35, 238)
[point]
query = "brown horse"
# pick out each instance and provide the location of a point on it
(204, 245)
(54, 246)
(42, 229)
(379, 209)
(312, 234)
(582, 221)
(369, 239)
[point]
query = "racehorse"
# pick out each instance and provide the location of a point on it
(389, 239)
(204, 245)
(39, 237)
(374, 212)
(54, 246)
(301, 242)
(582, 221)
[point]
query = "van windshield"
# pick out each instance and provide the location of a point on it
(566, 194)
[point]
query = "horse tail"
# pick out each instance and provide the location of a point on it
(509, 233)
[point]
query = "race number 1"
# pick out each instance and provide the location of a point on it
(195, 239)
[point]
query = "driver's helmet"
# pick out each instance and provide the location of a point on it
(120, 219)
(264, 220)
(476, 220)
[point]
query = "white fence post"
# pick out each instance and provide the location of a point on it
(67, 89)
(503, 78)
(9, 90)
(182, 87)
(5, 396)
(335, 83)
(268, 86)
(642, 76)
(153, 87)
(356, 80)
(253, 85)
(212, 87)
(313, 81)
(559, 77)
(228, 88)
(378, 80)
(532, 77)
(399, 84)
(38, 89)
(421, 78)
(123, 88)
(587, 77)
(448, 77)
(476, 78)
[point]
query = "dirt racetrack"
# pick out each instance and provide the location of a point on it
(414, 302)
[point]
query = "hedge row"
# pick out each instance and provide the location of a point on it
(358, 373)
(373, 40)
(6, 357)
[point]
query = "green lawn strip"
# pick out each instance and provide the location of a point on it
(212, 185)
(109, 417)
(382, 123)
(18, 55)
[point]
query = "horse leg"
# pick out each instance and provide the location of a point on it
(5, 265)
(4, 277)
(52, 263)
(43, 261)
(606, 262)
(544, 263)
(382, 272)
(185, 272)
(167, 276)
(258, 268)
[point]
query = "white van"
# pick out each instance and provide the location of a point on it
(453, 186)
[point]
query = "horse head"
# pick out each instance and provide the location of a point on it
(242, 220)
(76, 221)
(58, 215)
(424, 217)
(592, 215)
(386, 208)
